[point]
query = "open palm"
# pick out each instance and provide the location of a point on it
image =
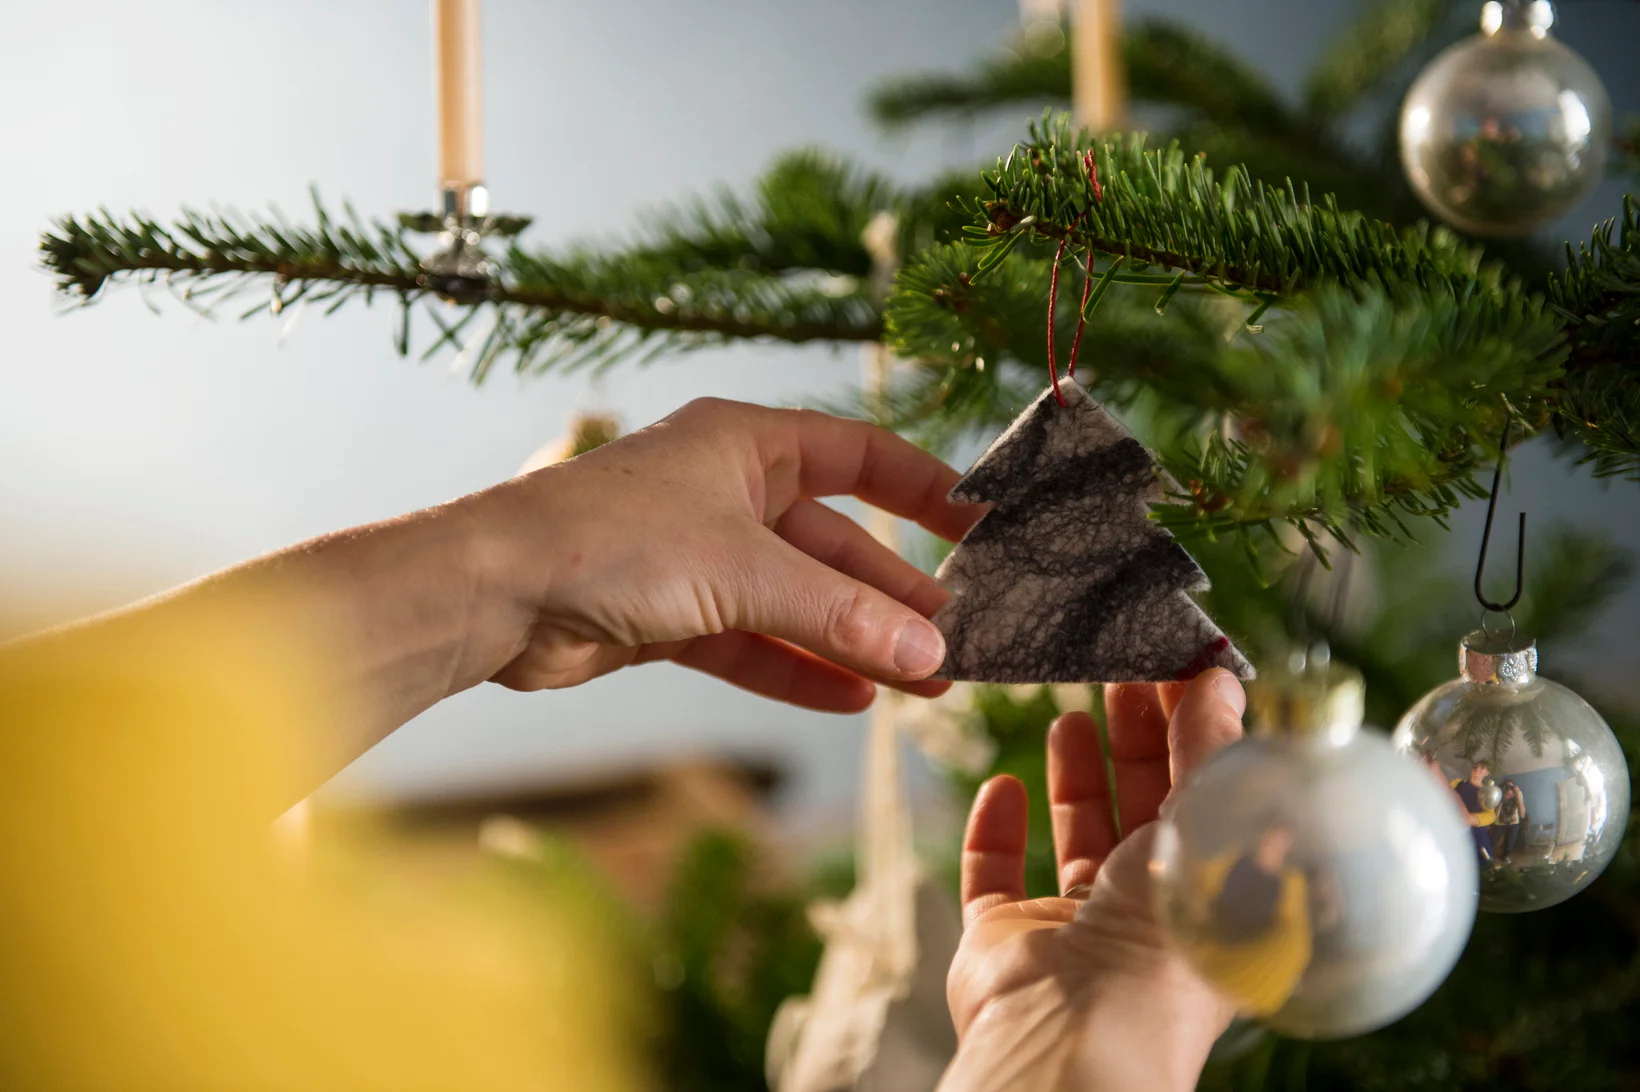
(1087, 992)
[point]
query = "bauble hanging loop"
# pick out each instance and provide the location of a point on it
(1486, 539)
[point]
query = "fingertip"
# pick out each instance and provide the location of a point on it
(865, 692)
(1076, 759)
(920, 649)
(1214, 695)
(998, 789)
(997, 822)
(961, 517)
(1228, 688)
(1072, 735)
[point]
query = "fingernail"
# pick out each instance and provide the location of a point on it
(1229, 689)
(920, 649)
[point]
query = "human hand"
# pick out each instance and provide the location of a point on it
(1064, 993)
(700, 540)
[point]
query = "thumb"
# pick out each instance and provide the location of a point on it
(1207, 718)
(785, 593)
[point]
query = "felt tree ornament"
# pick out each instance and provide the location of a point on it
(1067, 579)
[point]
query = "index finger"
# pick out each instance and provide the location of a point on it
(835, 456)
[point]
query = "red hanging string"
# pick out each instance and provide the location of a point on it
(1087, 288)
(1093, 175)
(1053, 295)
(1081, 316)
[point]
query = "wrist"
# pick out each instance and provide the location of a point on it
(423, 612)
(1152, 1035)
(529, 553)
(504, 560)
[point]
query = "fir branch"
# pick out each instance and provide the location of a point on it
(806, 212)
(546, 309)
(944, 315)
(1166, 63)
(1031, 73)
(1372, 399)
(785, 262)
(1359, 409)
(1366, 54)
(1161, 208)
(942, 408)
(1599, 294)
(1599, 290)
(977, 361)
(1369, 183)
(1173, 65)
(1353, 409)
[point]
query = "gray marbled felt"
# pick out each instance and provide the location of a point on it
(1067, 579)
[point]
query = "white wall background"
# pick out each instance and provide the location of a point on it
(137, 452)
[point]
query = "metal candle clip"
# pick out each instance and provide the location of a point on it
(459, 269)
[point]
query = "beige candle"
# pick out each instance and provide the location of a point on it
(460, 95)
(1098, 84)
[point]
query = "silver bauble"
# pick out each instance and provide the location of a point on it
(1563, 781)
(1508, 129)
(1315, 876)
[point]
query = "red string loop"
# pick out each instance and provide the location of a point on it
(1092, 168)
(1081, 316)
(1053, 296)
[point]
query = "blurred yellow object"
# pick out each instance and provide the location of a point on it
(1260, 973)
(152, 938)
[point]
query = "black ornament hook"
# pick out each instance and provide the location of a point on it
(1486, 535)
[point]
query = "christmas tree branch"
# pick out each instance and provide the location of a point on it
(1599, 295)
(302, 265)
(807, 212)
(1353, 409)
(789, 261)
(1031, 73)
(1357, 410)
(1159, 207)
(1373, 397)
(787, 266)
(1166, 63)
(1364, 56)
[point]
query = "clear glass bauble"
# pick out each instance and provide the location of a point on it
(1508, 129)
(1532, 767)
(1318, 878)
